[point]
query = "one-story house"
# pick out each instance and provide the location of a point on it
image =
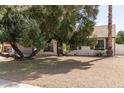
(100, 33)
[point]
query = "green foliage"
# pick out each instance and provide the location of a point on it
(12, 23)
(59, 22)
(31, 35)
(21, 29)
(81, 36)
(2, 35)
(67, 23)
(120, 37)
(47, 18)
(84, 42)
(33, 26)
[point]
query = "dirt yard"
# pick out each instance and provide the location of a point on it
(65, 72)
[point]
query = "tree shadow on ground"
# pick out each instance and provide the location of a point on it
(34, 69)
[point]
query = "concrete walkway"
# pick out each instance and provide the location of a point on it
(9, 84)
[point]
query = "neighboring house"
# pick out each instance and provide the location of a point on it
(50, 49)
(100, 33)
(6, 48)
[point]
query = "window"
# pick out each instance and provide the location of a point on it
(100, 45)
(49, 47)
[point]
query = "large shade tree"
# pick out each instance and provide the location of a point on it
(33, 26)
(17, 28)
(49, 18)
(59, 23)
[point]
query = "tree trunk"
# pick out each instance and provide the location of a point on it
(14, 46)
(109, 42)
(59, 48)
(34, 52)
(58, 45)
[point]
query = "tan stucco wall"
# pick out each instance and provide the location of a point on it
(85, 50)
(25, 51)
(0, 47)
(50, 53)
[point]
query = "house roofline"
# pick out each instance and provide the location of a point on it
(104, 25)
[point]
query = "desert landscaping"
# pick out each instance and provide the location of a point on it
(66, 71)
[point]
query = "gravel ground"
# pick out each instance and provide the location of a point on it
(67, 72)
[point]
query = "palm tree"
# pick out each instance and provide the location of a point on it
(109, 42)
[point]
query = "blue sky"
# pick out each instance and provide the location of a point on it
(118, 16)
